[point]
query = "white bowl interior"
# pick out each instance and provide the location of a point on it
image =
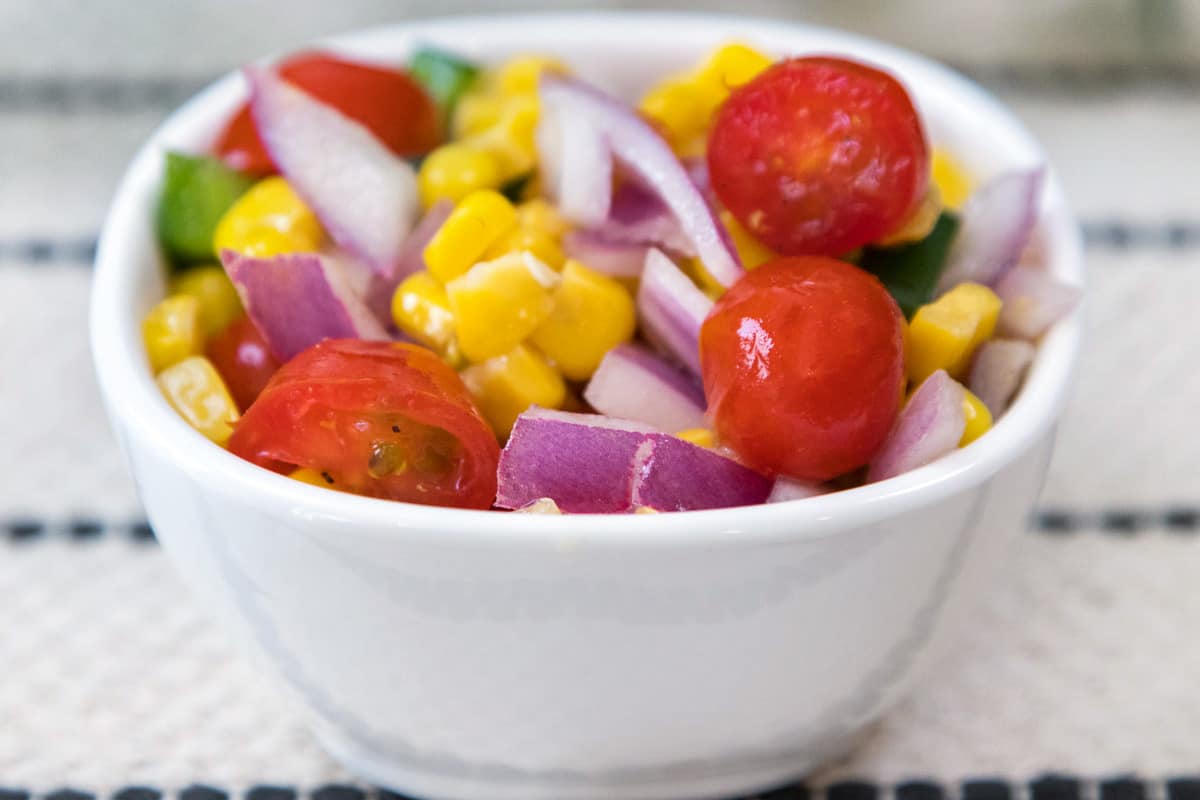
(625, 53)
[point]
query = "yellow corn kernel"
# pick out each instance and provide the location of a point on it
(945, 333)
(453, 171)
(195, 390)
(497, 304)
(172, 331)
(475, 112)
(920, 223)
(267, 220)
(699, 436)
(219, 301)
(733, 65)
(979, 419)
(681, 108)
(752, 252)
(543, 505)
(420, 309)
(592, 314)
(504, 386)
(476, 222)
(519, 239)
(538, 215)
(520, 75)
(951, 179)
(511, 138)
(306, 475)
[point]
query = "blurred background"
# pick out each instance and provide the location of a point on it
(1080, 663)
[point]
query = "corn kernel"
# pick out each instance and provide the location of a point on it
(475, 112)
(520, 75)
(592, 314)
(945, 333)
(543, 505)
(306, 475)
(538, 215)
(920, 223)
(267, 220)
(195, 390)
(454, 171)
(506, 385)
(219, 301)
(979, 419)
(733, 65)
(750, 250)
(171, 331)
(681, 108)
(951, 179)
(420, 309)
(478, 221)
(702, 437)
(497, 304)
(518, 240)
(511, 138)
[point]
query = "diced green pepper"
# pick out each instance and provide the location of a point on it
(196, 192)
(443, 75)
(911, 271)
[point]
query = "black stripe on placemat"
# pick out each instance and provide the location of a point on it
(1046, 787)
(1098, 235)
(1056, 522)
(73, 94)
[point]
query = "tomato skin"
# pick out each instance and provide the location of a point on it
(388, 102)
(819, 156)
(340, 404)
(241, 355)
(803, 365)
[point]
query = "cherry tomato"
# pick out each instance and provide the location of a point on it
(382, 419)
(240, 354)
(388, 102)
(819, 156)
(803, 363)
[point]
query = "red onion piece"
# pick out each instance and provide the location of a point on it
(929, 427)
(570, 109)
(364, 195)
(1033, 301)
(639, 216)
(298, 299)
(785, 489)
(587, 463)
(671, 310)
(576, 165)
(997, 372)
(618, 259)
(633, 383)
(996, 225)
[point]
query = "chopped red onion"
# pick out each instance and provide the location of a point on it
(929, 427)
(587, 463)
(996, 225)
(1033, 301)
(298, 299)
(639, 216)
(575, 111)
(618, 259)
(633, 383)
(364, 195)
(785, 489)
(997, 372)
(671, 310)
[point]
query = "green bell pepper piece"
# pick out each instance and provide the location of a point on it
(911, 271)
(196, 192)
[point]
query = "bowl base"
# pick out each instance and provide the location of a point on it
(430, 780)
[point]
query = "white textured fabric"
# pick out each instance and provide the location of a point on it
(1080, 659)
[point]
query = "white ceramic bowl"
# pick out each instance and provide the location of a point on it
(464, 654)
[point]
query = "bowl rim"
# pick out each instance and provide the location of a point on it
(134, 402)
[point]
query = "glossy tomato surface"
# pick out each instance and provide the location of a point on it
(819, 156)
(388, 102)
(382, 419)
(803, 363)
(241, 355)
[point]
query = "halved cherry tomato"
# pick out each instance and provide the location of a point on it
(803, 363)
(388, 102)
(242, 357)
(382, 419)
(819, 156)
